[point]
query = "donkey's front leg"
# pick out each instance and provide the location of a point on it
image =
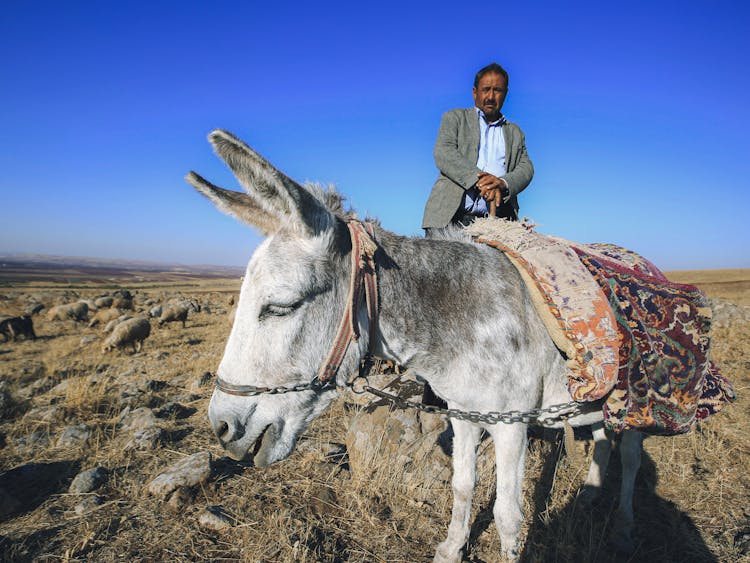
(465, 441)
(510, 462)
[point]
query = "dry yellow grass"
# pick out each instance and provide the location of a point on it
(692, 498)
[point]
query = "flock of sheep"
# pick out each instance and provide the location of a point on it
(114, 312)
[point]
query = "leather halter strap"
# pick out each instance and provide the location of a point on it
(363, 277)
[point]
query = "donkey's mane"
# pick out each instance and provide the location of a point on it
(334, 201)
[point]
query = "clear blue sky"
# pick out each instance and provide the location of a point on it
(637, 117)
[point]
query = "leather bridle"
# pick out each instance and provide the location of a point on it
(362, 282)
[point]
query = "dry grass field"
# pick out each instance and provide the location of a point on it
(66, 407)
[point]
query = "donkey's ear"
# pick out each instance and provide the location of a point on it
(275, 191)
(237, 204)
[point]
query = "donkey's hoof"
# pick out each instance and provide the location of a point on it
(445, 554)
(587, 495)
(622, 541)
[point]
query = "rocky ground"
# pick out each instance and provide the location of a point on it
(110, 456)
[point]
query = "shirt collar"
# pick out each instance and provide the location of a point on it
(500, 121)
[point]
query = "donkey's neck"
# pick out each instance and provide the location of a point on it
(434, 292)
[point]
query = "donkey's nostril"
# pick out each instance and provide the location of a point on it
(222, 431)
(227, 427)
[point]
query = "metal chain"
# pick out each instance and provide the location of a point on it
(562, 411)
(252, 391)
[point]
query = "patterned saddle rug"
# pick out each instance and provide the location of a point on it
(629, 335)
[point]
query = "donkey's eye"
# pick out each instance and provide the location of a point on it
(276, 310)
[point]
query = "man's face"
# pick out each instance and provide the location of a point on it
(489, 94)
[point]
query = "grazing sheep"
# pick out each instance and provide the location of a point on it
(33, 309)
(104, 316)
(103, 302)
(191, 304)
(90, 303)
(172, 313)
(76, 311)
(155, 312)
(122, 303)
(12, 327)
(109, 327)
(122, 293)
(132, 331)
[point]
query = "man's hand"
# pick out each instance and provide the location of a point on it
(492, 189)
(487, 182)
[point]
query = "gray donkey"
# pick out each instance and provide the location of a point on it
(457, 313)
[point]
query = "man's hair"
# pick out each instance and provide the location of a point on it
(491, 68)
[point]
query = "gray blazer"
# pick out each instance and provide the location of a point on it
(456, 152)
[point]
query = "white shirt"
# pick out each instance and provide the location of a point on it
(491, 159)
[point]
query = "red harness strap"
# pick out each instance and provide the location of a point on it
(363, 277)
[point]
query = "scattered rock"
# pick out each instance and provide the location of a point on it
(398, 442)
(74, 436)
(137, 419)
(146, 439)
(181, 497)
(180, 381)
(215, 518)
(155, 385)
(432, 423)
(89, 480)
(186, 398)
(37, 440)
(191, 471)
(39, 386)
(175, 410)
(47, 414)
(88, 504)
(131, 395)
(64, 386)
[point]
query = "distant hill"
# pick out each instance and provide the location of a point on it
(39, 267)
